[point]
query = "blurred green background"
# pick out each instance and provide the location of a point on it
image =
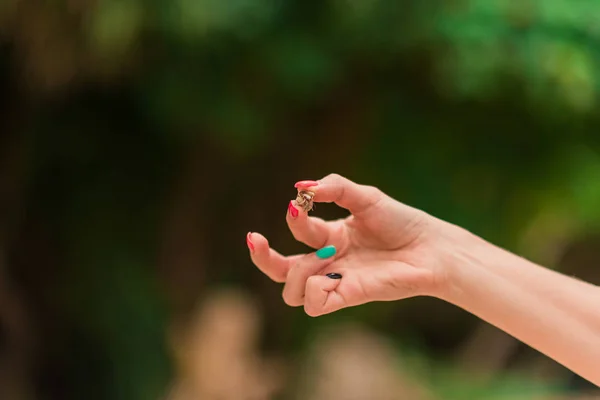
(141, 140)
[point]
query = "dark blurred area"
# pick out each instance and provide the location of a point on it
(141, 140)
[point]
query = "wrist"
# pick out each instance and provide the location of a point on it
(462, 254)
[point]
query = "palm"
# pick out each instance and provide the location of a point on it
(382, 257)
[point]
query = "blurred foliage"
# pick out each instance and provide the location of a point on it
(136, 134)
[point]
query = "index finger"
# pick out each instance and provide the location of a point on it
(342, 191)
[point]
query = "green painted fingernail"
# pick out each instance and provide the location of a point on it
(326, 252)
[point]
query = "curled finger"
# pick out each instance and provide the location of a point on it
(302, 269)
(321, 295)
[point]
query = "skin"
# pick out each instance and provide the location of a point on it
(388, 251)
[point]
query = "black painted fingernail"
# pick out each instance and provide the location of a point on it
(334, 275)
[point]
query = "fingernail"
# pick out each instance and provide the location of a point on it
(334, 275)
(326, 252)
(249, 242)
(292, 210)
(305, 184)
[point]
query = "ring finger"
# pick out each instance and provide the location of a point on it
(302, 269)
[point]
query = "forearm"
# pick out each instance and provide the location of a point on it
(578, 298)
(557, 315)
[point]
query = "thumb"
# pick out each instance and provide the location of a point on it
(342, 191)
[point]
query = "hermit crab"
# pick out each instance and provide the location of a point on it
(305, 199)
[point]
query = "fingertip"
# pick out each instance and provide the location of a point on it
(326, 252)
(259, 248)
(293, 211)
(257, 241)
(249, 242)
(305, 184)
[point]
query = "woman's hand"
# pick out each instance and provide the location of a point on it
(383, 251)
(388, 251)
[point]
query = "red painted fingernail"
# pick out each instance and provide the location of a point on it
(305, 184)
(292, 210)
(249, 242)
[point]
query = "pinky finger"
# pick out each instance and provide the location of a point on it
(321, 296)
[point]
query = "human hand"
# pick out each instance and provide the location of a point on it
(386, 250)
(383, 251)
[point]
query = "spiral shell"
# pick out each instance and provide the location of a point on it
(305, 200)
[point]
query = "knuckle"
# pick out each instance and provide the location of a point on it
(334, 177)
(371, 197)
(419, 222)
(372, 192)
(376, 196)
